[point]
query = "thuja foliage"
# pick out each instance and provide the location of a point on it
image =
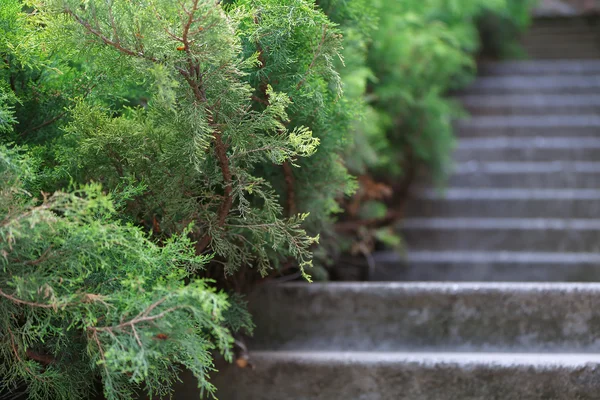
(82, 294)
(402, 60)
(192, 151)
(146, 144)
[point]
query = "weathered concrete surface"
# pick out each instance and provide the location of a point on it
(497, 234)
(530, 85)
(528, 149)
(563, 38)
(412, 376)
(532, 175)
(547, 8)
(413, 316)
(497, 221)
(528, 104)
(505, 203)
(530, 126)
(541, 67)
(485, 266)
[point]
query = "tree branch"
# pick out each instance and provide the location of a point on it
(289, 184)
(28, 303)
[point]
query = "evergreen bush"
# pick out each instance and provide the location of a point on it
(147, 145)
(400, 75)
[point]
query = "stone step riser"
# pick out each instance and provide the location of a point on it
(485, 110)
(536, 85)
(466, 130)
(556, 69)
(508, 129)
(549, 180)
(413, 316)
(375, 377)
(501, 239)
(526, 154)
(549, 105)
(561, 56)
(444, 267)
(503, 208)
(502, 88)
(566, 47)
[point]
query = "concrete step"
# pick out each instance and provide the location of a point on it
(411, 376)
(485, 266)
(530, 125)
(554, 53)
(560, 56)
(575, 27)
(527, 104)
(562, 25)
(528, 149)
(539, 68)
(572, 48)
(583, 36)
(420, 316)
(498, 234)
(504, 203)
(532, 175)
(535, 85)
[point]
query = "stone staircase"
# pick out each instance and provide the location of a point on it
(491, 301)
(563, 38)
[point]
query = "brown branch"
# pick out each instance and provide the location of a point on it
(41, 259)
(355, 225)
(116, 45)
(289, 184)
(44, 124)
(28, 303)
(16, 353)
(45, 359)
(188, 25)
(59, 116)
(227, 202)
(194, 79)
(140, 318)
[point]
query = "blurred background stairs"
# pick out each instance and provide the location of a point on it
(505, 256)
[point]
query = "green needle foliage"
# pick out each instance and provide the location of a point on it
(83, 295)
(146, 145)
(191, 151)
(402, 60)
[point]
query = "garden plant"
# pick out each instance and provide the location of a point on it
(158, 157)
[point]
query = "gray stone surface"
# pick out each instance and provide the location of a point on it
(541, 68)
(529, 126)
(412, 376)
(497, 234)
(425, 316)
(527, 104)
(523, 205)
(485, 266)
(535, 85)
(532, 175)
(565, 7)
(563, 38)
(584, 149)
(505, 203)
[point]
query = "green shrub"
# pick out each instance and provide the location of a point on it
(146, 145)
(82, 295)
(196, 124)
(404, 70)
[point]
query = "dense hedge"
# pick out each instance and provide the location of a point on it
(147, 145)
